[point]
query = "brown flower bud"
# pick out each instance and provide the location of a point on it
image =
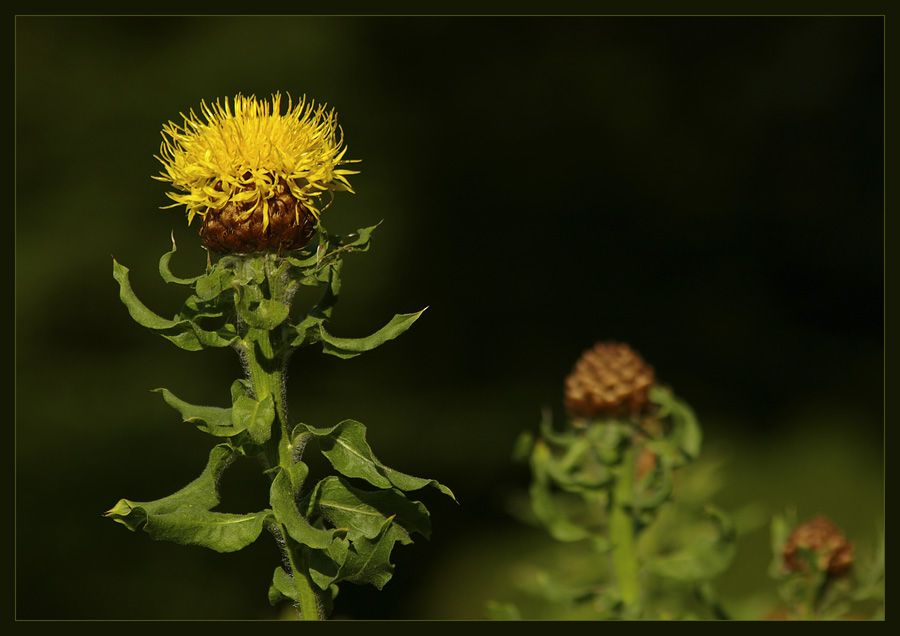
(278, 223)
(609, 380)
(834, 553)
(644, 463)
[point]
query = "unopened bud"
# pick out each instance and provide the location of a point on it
(833, 553)
(609, 380)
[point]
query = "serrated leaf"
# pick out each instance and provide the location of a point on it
(139, 312)
(210, 419)
(351, 347)
(346, 448)
(282, 499)
(256, 416)
(363, 512)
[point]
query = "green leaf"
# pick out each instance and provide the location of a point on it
(361, 239)
(363, 512)
(368, 561)
(210, 419)
(225, 336)
(185, 517)
(323, 308)
(346, 448)
(686, 434)
(139, 312)
(308, 330)
(282, 587)
(184, 337)
(351, 347)
(267, 315)
(330, 246)
(325, 565)
(579, 468)
(542, 500)
(188, 336)
(282, 495)
(706, 554)
(219, 531)
(365, 561)
(256, 416)
(167, 274)
(200, 494)
(212, 284)
(183, 333)
(240, 388)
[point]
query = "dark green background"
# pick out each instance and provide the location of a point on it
(708, 190)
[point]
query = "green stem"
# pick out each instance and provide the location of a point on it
(298, 558)
(621, 528)
(265, 370)
(265, 365)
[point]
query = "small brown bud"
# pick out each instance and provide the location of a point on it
(834, 553)
(644, 463)
(291, 225)
(609, 380)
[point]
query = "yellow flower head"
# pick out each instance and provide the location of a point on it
(247, 156)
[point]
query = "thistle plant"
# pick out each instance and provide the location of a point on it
(819, 575)
(258, 181)
(605, 484)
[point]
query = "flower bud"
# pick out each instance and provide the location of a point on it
(609, 380)
(645, 463)
(833, 553)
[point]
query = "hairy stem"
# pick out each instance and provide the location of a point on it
(298, 558)
(266, 363)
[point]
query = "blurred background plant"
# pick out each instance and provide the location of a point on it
(711, 185)
(607, 481)
(637, 534)
(821, 574)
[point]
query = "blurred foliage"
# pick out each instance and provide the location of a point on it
(708, 189)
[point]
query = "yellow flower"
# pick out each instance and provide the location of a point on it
(248, 166)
